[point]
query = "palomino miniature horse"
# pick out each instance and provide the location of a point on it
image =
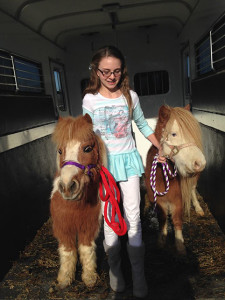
(180, 136)
(75, 204)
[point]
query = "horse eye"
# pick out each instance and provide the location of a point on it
(88, 149)
(60, 151)
(173, 134)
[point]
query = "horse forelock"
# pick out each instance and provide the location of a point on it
(188, 125)
(72, 129)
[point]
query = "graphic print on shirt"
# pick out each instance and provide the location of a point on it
(112, 121)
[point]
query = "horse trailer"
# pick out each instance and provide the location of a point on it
(175, 54)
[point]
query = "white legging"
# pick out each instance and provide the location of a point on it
(130, 193)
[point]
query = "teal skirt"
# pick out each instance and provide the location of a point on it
(122, 166)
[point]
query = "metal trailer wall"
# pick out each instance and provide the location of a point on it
(26, 172)
(209, 107)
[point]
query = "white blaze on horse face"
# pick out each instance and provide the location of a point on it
(69, 171)
(189, 160)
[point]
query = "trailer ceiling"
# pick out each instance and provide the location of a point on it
(61, 20)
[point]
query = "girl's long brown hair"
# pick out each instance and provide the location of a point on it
(94, 82)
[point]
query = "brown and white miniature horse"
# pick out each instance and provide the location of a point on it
(75, 204)
(180, 136)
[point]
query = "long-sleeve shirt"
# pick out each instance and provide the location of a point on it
(112, 123)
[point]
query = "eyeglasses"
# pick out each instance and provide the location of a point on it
(108, 73)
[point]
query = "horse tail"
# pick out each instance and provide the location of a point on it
(187, 184)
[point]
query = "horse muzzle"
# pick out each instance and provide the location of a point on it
(191, 168)
(187, 157)
(70, 190)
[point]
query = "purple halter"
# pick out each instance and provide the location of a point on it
(85, 168)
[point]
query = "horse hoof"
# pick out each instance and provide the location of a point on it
(89, 279)
(62, 284)
(161, 241)
(181, 248)
(200, 213)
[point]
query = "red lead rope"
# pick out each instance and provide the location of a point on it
(112, 192)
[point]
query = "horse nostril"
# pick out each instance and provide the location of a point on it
(61, 187)
(197, 165)
(72, 186)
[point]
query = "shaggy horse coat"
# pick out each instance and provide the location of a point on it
(180, 136)
(75, 205)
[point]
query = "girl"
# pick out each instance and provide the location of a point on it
(112, 105)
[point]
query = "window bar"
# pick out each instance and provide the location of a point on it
(203, 52)
(7, 84)
(219, 49)
(218, 60)
(28, 72)
(203, 68)
(211, 54)
(14, 72)
(215, 31)
(32, 87)
(32, 65)
(205, 41)
(28, 79)
(203, 60)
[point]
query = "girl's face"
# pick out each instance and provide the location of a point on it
(109, 72)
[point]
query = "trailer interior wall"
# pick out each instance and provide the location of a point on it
(208, 107)
(27, 155)
(145, 50)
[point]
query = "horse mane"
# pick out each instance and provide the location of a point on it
(70, 128)
(190, 128)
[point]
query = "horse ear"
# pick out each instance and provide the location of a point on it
(188, 107)
(60, 119)
(88, 118)
(164, 113)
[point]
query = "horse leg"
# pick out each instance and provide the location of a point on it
(177, 220)
(89, 265)
(195, 202)
(68, 261)
(162, 218)
(147, 203)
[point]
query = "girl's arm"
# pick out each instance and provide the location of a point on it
(146, 130)
(152, 138)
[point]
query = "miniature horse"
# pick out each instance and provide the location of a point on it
(75, 205)
(180, 136)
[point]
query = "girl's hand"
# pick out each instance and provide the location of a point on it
(161, 158)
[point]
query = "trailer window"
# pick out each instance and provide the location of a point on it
(218, 44)
(151, 83)
(61, 104)
(203, 56)
(20, 75)
(210, 51)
